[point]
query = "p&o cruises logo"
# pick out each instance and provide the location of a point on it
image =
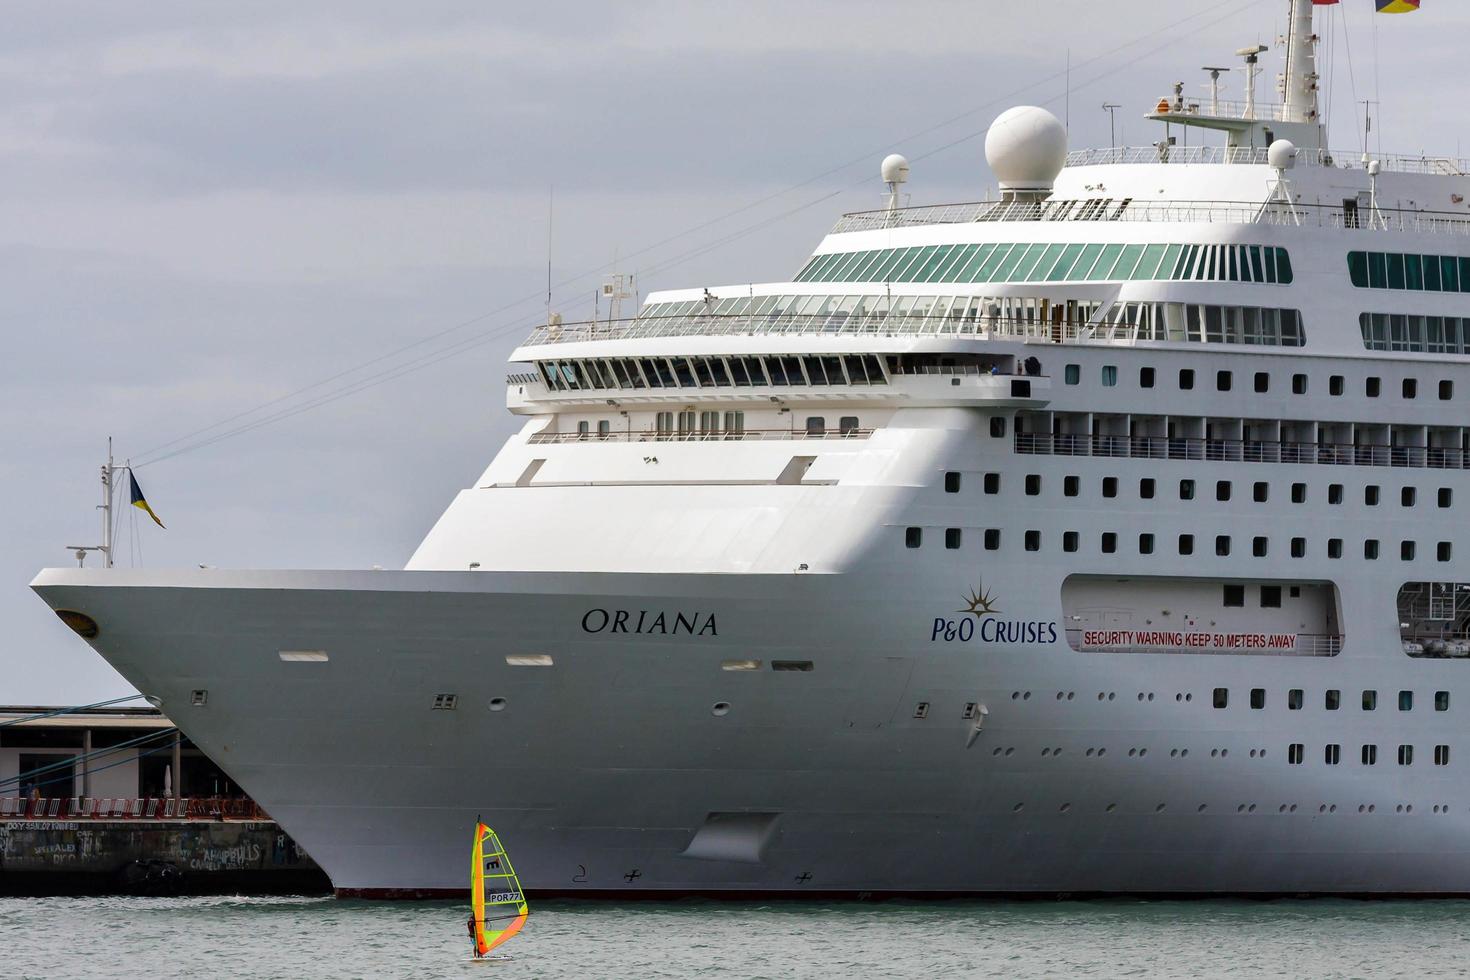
(980, 619)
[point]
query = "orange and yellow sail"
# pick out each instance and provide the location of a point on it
(495, 892)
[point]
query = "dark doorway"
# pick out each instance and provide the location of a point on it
(35, 772)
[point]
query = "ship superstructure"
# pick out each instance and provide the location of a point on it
(1096, 538)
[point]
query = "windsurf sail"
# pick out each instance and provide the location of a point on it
(495, 892)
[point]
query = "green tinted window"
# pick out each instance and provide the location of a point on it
(1233, 265)
(1127, 262)
(1449, 274)
(1283, 267)
(1377, 270)
(1358, 268)
(1148, 266)
(933, 262)
(1431, 273)
(814, 270)
(884, 272)
(906, 272)
(806, 270)
(1257, 274)
(1105, 263)
(973, 263)
(1465, 275)
(1395, 271)
(869, 263)
(1063, 268)
(1413, 272)
(1004, 270)
(1043, 264)
(993, 262)
(1085, 262)
(956, 261)
(842, 272)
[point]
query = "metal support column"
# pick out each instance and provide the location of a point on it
(86, 763)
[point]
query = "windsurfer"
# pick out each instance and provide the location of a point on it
(474, 940)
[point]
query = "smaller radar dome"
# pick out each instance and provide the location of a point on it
(1027, 148)
(895, 169)
(1282, 155)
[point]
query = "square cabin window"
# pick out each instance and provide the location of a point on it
(998, 426)
(1258, 547)
(991, 483)
(1442, 551)
(1258, 698)
(1373, 387)
(1370, 700)
(1294, 699)
(816, 425)
(1334, 548)
(1146, 377)
(1331, 700)
(1406, 700)
(1033, 540)
(1033, 484)
(1298, 493)
(1186, 489)
(1270, 597)
(1261, 491)
(1146, 488)
(1370, 549)
(1186, 544)
(1069, 541)
(1336, 386)
(1109, 542)
(1334, 493)
(1411, 388)
(1222, 380)
(1071, 486)
(847, 425)
(1298, 547)
(951, 483)
(913, 537)
(1234, 596)
(1222, 546)
(1222, 490)
(1407, 497)
(1406, 551)
(1446, 390)
(1445, 497)
(992, 539)
(1221, 698)
(1109, 376)
(1072, 374)
(952, 538)
(1263, 382)
(1298, 384)
(1145, 543)
(1370, 495)
(1186, 379)
(1441, 700)
(1110, 486)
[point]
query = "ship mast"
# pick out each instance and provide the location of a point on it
(1300, 95)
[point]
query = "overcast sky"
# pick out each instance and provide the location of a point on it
(208, 207)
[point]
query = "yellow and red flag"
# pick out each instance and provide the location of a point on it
(1396, 6)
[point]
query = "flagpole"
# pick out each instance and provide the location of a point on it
(107, 474)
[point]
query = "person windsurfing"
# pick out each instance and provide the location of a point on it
(474, 939)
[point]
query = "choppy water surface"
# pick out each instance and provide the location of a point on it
(324, 937)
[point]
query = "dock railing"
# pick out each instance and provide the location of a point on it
(130, 808)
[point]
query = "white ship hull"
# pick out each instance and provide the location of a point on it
(602, 769)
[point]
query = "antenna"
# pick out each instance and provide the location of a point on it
(550, 216)
(1252, 56)
(1215, 88)
(1111, 109)
(109, 471)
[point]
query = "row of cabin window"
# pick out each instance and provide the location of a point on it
(709, 423)
(1260, 382)
(1224, 489)
(1421, 273)
(1415, 332)
(1224, 543)
(1331, 700)
(1197, 323)
(712, 372)
(1332, 754)
(1053, 262)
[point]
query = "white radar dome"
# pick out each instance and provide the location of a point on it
(1282, 155)
(895, 169)
(1027, 148)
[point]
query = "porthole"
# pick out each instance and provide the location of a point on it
(1102, 752)
(1071, 695)
(1200, 809)
(1159, 808)
(497, 704)
(995, 751)
(1010, 751)
(1017, 808)
(720, 709)
(1065, 807)
(1111, 807)
(1026, 696)
(1251, 808)
(1088, 753)
(1111, 695)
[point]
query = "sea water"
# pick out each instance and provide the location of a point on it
(325, 937)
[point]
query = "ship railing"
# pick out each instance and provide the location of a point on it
(1307, 645)
(130, 808)
(515, 380)
(1239, 450)
(747, 435)
(875, 324)
(1164, 212)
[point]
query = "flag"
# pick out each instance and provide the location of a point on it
(139, 501)
(1397, 6)
(1324, 3)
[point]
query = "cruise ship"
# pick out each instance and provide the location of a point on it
(1100, 537)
